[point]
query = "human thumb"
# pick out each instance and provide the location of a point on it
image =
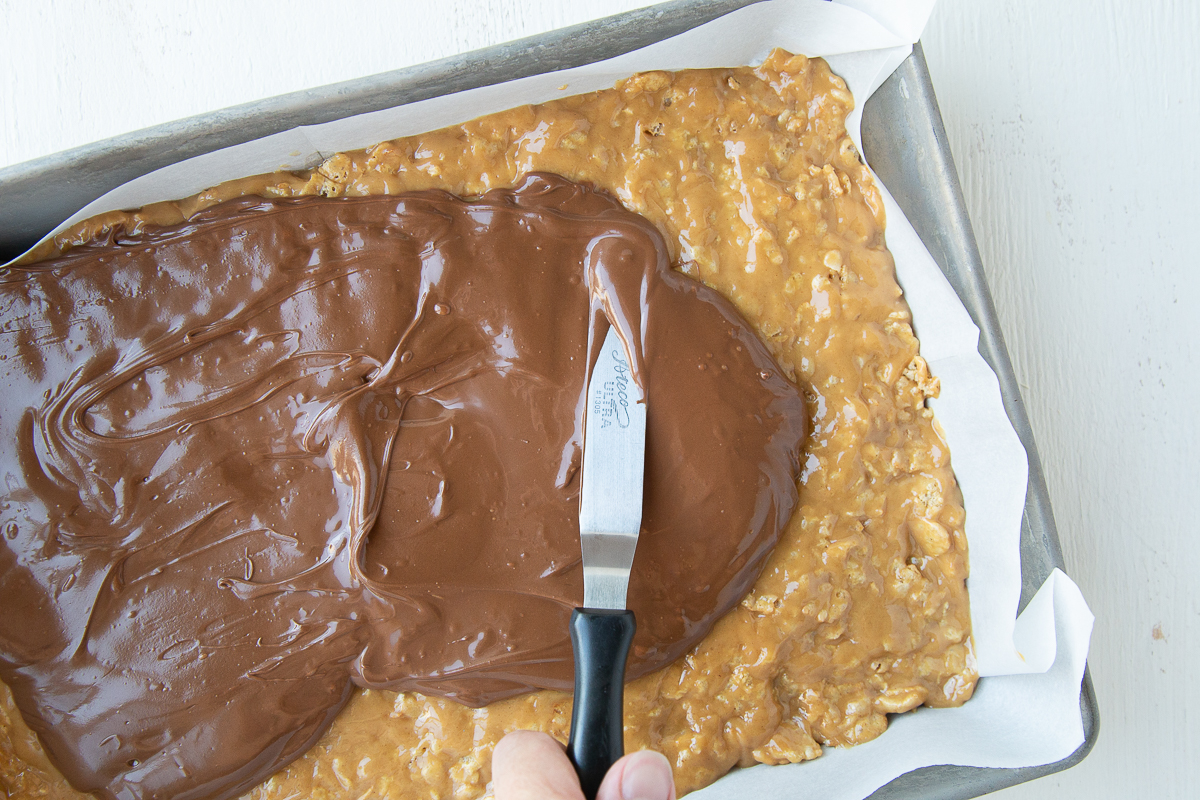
(529, 765)
(644, 775)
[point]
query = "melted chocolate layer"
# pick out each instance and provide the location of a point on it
(293, 445)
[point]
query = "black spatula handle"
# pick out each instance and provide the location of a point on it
(601, 639)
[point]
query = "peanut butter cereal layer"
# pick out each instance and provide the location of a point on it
(861, 611)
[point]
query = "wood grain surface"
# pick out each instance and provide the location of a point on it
(1073, 125)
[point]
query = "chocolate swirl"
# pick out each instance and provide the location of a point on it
(295, 445)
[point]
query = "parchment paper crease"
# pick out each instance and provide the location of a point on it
(1027, 711)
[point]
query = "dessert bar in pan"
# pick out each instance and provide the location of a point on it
(896, 128)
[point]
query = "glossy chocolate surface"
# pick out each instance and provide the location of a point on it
(294, 445)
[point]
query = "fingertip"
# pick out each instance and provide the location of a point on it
(531, 765)
(517, 742)
(644, 775)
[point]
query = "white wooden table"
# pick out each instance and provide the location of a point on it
(1071, 123)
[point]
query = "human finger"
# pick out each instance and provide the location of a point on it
(644, 775)
(530, 765)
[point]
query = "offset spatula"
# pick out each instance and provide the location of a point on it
(610, 515)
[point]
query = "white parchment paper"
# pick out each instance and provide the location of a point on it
(1026, 711)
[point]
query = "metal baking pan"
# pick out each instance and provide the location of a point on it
(902, 134)
(906, 144)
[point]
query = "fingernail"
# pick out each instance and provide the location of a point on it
(647, 777)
